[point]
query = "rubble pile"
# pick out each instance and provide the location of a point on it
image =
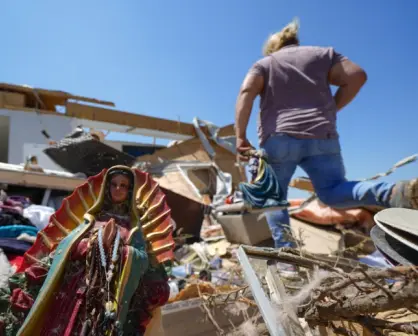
(215, 212)
(211, 266)
(206, 267)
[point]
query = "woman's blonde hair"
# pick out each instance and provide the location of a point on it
(282, 38)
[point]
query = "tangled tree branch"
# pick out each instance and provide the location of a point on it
(356, 296)
(374, 302)
(335, 264)
(406, 327)
(351, 291)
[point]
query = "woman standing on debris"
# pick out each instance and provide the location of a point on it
(297, 124)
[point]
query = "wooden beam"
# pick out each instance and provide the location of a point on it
(137, 120)
(165, 128)
(56, 97)
(273, 324)
(278, 295)
(130, 120)
(302, 183)
(32, 110)
(228, 130)
(39, 180)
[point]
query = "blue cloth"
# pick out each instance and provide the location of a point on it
(323, 163)
(14, 231)
(264, 193)
(14, 246)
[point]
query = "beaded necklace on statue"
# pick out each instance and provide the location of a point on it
(109, 269)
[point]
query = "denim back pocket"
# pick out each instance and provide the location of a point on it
(277, 148)
(329, 146)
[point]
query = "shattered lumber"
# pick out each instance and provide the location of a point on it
(355, 295)
(289, 318)
(366, 303)
(308, 260)
(133, 120)
(274, 326)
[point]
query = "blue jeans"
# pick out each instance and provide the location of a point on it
(323, 163)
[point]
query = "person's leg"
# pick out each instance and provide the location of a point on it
(283, 156)
(279, 222)
(324, 165)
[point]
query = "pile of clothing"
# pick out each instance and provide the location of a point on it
(20, 221)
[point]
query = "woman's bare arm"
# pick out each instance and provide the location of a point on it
(251, 87)
(350, 78)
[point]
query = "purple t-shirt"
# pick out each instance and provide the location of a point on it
(297, 98)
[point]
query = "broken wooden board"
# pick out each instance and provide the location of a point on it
(192, 179)
(302, 183)
(42, 101)
(316, 239)
(13, 174)
(11, 99)
(47, 99)
(94, 113)
(133, 120)
(193, 150)
(278, 296)
(267, 310)
(176, 182)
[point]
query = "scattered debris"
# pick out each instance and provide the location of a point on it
(345, 276)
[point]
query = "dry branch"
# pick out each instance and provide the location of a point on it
(351, 291)
(308, 260)
(406, 327)
(364, 304)
(389, 273)
(335, 301)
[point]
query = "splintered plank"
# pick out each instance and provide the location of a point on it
(274, 325)
(278, 294)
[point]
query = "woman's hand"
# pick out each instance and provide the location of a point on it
(243, 146)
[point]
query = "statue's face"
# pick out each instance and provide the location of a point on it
(119, 186)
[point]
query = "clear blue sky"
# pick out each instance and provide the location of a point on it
(181, 59)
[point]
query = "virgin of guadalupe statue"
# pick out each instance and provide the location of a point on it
(97, 268)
